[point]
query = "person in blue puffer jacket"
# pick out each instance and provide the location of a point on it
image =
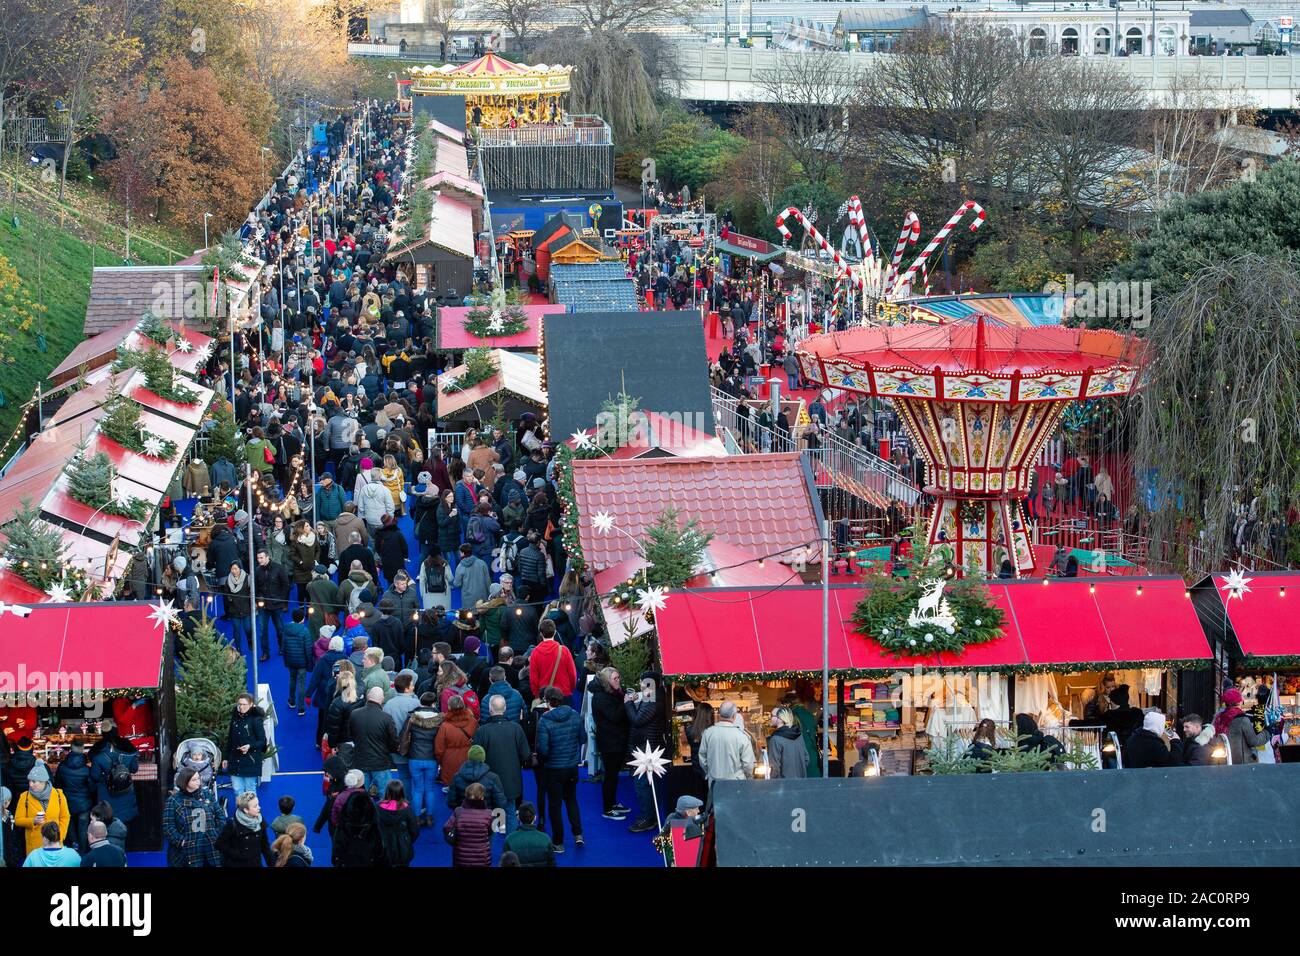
(560, 736)
(73, 778)
(295, 646)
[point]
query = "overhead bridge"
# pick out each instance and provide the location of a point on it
(733, 74)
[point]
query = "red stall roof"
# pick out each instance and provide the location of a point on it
(71, 639)
(757, 502)
(452, 334)
(1262, 619)
(749, 631)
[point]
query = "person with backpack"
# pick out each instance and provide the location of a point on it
(397, 824)
(435, 582)
(475, 770)
(482, 533)
(452, 683)
(357, 842)
(507, 559)
(469, 830)
(74, 778)
(531, 570)
(113, 762)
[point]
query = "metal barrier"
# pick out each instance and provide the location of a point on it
(836, 464)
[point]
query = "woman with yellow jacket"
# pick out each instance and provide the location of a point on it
(393, 478)
(40, 804)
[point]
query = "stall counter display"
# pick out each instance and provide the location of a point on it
(754, 703)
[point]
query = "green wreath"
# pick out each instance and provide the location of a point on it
(513, 322)
(882, 615)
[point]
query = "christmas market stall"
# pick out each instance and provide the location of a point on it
(1248, 620)
(60, 679)
(514, 327)
(1017, 648)
(492, 384)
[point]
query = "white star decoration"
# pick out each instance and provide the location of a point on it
(164, 614)
(652, 599)
(153, 447)
(496, 323)
(581, 440)
(602, 521)
(647, 762)
(202, 354)
(59, 594)
(1237, 584)
(185, 345)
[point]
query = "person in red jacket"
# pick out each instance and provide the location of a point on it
(551, 664)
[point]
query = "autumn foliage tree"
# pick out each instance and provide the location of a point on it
(190, 151)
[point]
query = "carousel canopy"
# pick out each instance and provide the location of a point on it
(976, 358)
(490, 74)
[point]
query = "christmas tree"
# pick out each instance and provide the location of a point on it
(34, 550)
(90, 481)
(154, 328)
(159, 375)
(223, 436)
(212, 676)
(673, 551)
(122, 423)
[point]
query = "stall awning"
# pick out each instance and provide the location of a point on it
(1261, 620)
(70, 642)
(726, 248)
(452, 334)
(1064, 625)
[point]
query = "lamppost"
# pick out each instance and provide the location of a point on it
(206, 217)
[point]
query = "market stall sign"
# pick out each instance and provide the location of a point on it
(761, 246)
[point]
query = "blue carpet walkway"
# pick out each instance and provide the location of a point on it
(608, 842)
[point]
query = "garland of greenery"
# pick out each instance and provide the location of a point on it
(867, 673)
(90, 481)
(121, 423)
(882, 614)
(568, 506)
(479, 367)
(1277, 661)
(513, 322)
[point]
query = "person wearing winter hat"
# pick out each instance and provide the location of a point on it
(42, 803)
(1235, 724)
(688, 808)
(474, 665)
(1153, 745)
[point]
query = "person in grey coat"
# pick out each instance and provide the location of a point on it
(473, 577)
(787, 757)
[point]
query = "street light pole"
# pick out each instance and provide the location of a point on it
(206, 217)
(252, 578)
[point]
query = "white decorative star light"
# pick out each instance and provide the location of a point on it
(652, 599)
(185, 345)
(582, 440)
(153, 447)
(59, 594)
(202, 353)
(647, 762)
(1237, 584)
(496, 323)
(164, 614)
(602, 521)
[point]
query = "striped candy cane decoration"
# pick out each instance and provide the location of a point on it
(911, 232)
(859, 222)
(941, 236)
(817, 237)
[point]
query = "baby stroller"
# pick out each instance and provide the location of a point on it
(202, 755)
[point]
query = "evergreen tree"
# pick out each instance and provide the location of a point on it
(121, 419)
(90, 481)
(673, 550)
(212, 676)
(35, 551)
(223, 437)
(160, 376)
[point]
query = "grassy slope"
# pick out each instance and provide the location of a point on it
(55, 260)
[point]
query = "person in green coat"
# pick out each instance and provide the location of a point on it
(531, 845)
(492, 618)
(323, 595)
(808, 729)
(255, 453)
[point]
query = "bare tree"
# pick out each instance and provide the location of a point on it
(1082, 120)
(520, 17)
(763, 168)
(609, 78)
(810, 96)
(1194, 139)
(91, 51)
(620, 16)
